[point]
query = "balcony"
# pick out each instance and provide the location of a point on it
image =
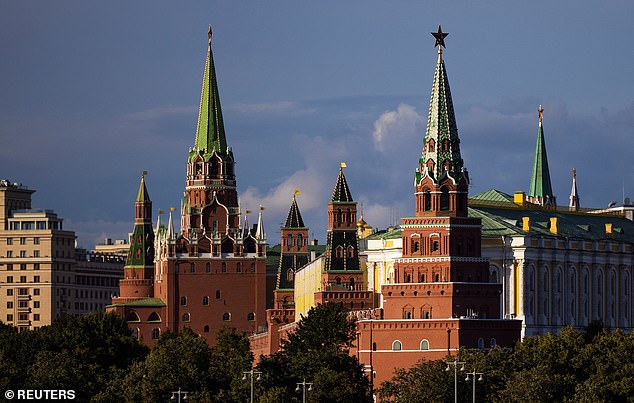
(24, 322)
(24, 309)
(25, 297)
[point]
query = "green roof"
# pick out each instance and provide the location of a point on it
(210, 131)
(393, 234)
(540, 180)
(146, 302)
(586, 226)
(495, 196)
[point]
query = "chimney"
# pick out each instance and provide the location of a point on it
(526, 223)
(554, 228)
(519, 198)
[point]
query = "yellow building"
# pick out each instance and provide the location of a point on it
(42, 275)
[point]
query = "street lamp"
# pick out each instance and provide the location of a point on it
(251, 373)
(303, 388)
(455, 375)
(179, 393)
(472, 376)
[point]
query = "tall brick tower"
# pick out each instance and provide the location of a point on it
(441, 299)
(212, 273)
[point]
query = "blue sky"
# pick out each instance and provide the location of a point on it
(93, 93)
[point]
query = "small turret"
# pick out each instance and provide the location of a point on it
(541, 191)
(574, 195)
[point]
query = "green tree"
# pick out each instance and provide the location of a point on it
(319, 352)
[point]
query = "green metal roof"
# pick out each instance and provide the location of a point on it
(586, 226)
(143, 195)
(210, 131)
(393, 234)
(540, 180)
(147, 302)
(494, 196)
(441, 129)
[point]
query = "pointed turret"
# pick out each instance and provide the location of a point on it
(294, 218)
(342, 244)
(293, 254)
(541, 191)
(259, 232)
(141, 253)
(341, 192)
(441, 182)
(170, 226)
(441, 145)
(211, 198)
(574, 195)
(210, 131)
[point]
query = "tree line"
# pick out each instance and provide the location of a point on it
(96, 356)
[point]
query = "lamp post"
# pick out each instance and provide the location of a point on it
(472, 376)
(303, 389)
(179, 393)
(251, 374)
(455, 375)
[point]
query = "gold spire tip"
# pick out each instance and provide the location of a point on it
(541, 113)
(209, 34)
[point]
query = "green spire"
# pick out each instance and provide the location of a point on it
(141, 251)
(143, 195)
(441, 148)
(341, 192)
(210, 132)
(541, 190)
(294, 218)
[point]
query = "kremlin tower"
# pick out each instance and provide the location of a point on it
(213, 272)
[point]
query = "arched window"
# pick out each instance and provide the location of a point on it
(350, 251)
(396, 345)
(207, 268)
(415, 246)
(205, 300)
(224, 267)
(183, 300)
(154, 317)
(424, 345)
(493, 342)
(427, 200)
(444, 198)
(435, 246)
(133, 317)
(251, 316)
(135, 333)
(156, 333)
(481, 343)
(226, 316)
(289, 240)
(431, 145)
(186, 317)
(300, 241)
(338, 280)
(206, 329)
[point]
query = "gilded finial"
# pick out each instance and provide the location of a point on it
(209, 34)
(440, 39)
(541, 114)
(143, 174)
(574, 173)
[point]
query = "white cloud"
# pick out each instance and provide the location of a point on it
(392, 127)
